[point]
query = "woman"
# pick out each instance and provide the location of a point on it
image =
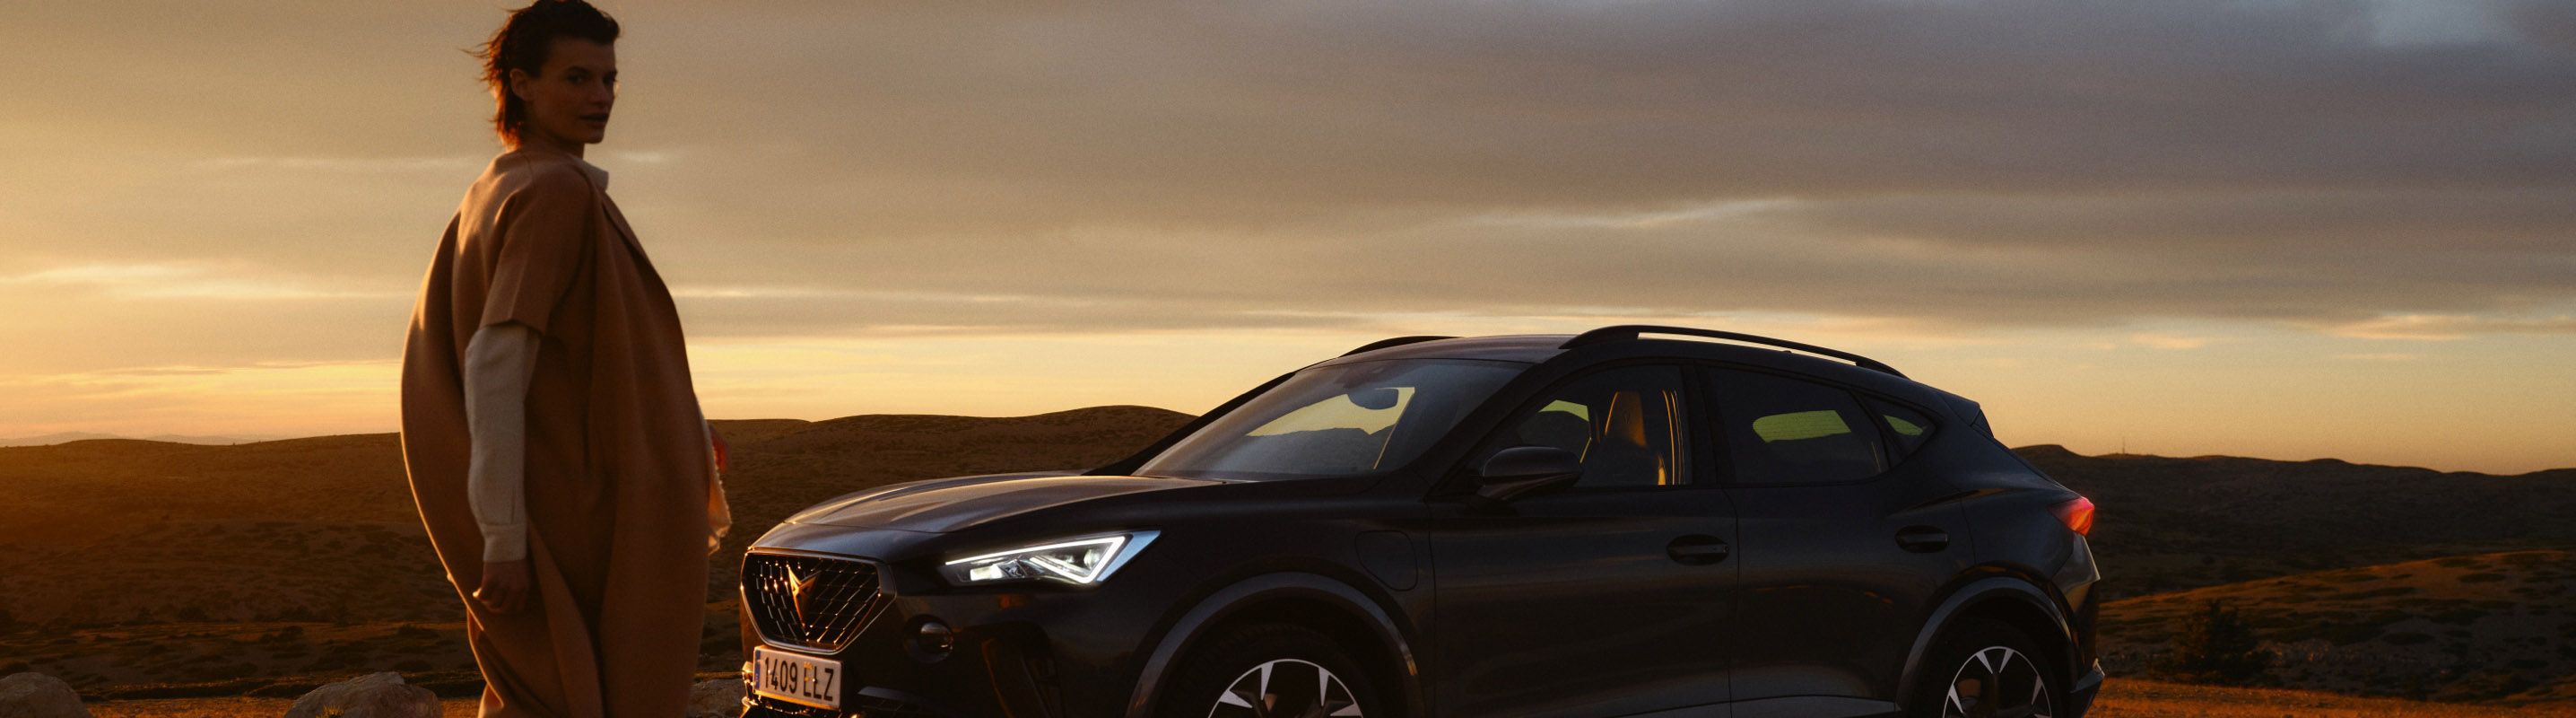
(554, 443)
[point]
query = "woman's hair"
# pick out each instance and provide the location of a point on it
(521, 44)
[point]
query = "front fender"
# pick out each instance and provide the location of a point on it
(1189, 629)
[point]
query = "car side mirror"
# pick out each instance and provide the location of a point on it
(1524, 470)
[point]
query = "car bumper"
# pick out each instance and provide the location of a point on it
(995, 668)
(2079, 698)
(1039, 650)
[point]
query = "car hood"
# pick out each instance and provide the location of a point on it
(943, 505)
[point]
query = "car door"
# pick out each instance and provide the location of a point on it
(1609, 598)
(1840, 555)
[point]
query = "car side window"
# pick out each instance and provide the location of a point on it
(1629, 425)
(1909, 428)
(1780, 430)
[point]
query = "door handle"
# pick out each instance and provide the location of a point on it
(1697, 550)
(1922, 539)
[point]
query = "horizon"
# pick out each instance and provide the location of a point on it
(7, 442)
(2316, 228)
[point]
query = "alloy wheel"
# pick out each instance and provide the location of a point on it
(1998, 682)
(1286, 688)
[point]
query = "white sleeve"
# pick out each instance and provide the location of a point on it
(499, 361)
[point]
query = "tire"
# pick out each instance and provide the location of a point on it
(1982, 668)
(1226, 678)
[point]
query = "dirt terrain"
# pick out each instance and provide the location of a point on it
(2140, 698)
(2122, 698)
(2498, 627)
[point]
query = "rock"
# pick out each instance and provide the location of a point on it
(36, 695)
(380, 695)
(720, 698)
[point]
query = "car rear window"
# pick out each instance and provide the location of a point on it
(1780, 430)
(1907, 427)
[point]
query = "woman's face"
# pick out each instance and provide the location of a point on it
(567, 102)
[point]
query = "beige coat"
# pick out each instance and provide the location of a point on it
(618, 479)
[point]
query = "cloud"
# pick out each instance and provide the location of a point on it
(2442, 327)
(1649, 219)
(2167, 341)
(2548, 24)
(1971, 164)
(173, 282)
(79, 319)
(344, 164)
(1941, 166)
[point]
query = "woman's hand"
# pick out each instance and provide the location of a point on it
(505, 586)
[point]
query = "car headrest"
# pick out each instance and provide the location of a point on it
(1625, 420)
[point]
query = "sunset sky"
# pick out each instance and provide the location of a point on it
(2280, 228)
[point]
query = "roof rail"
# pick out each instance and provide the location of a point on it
(1630, 332)
(1394, 342)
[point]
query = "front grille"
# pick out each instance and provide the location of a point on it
(838, 598)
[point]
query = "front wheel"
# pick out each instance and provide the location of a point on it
(1272, 671)
(1985, 669)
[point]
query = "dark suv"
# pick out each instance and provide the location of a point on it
(1594, 525)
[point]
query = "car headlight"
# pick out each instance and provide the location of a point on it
(1082, 562)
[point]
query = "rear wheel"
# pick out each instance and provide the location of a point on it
(1986, 669)
(1272, 671)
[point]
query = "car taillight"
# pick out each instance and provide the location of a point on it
(2077, 515)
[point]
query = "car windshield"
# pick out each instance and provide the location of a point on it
(1339, 420)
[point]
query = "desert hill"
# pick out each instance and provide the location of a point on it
(127, 562)
(68, 436)
(2169, 524)
(128, 565)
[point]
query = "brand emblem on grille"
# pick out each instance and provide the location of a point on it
(796, 586)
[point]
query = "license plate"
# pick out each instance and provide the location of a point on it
(796, 678)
